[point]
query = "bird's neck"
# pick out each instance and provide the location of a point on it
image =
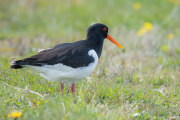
(97, 43)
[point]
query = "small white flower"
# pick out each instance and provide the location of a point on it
(136, 114)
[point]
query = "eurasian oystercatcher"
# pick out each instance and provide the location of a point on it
(69, 62)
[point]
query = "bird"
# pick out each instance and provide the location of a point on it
(69, 63)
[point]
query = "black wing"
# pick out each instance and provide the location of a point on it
(68, 54)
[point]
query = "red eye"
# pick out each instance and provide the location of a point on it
(105, 29)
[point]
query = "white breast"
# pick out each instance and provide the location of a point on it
(66, 74)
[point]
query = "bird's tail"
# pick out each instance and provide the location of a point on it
(16, 64)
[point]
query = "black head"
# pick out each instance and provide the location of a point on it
(98, 32)
(98, 29)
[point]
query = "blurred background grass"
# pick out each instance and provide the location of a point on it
(139, 82)
(62, 18)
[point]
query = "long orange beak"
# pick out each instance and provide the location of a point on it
(114, 41)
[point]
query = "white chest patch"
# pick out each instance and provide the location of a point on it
(66, 74)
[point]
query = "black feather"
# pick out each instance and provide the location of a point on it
(16, 67)
(15, 64)
(70, 54)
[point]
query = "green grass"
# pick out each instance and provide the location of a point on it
(142, 78)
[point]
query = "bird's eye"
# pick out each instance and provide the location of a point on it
(105, 29)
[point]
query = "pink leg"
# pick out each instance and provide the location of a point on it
(73, 88)
(62, 87)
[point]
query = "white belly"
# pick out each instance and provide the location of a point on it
(65, 74)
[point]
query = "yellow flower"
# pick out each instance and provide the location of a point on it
(177, 2)
(136, 6)
(170, 36)
(15, 114)
(164, 48)
(78, 2)
(171, 0)
(38, 103)
(148, 26)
